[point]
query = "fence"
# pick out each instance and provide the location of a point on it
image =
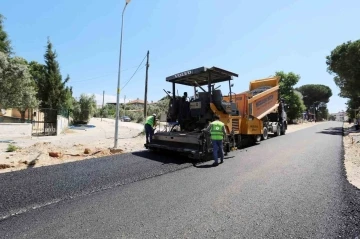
(44, 122)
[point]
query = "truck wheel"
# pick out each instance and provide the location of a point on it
(264, 136)
(257, 139)
(278, 131)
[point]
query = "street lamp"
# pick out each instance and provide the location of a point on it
(118, 84)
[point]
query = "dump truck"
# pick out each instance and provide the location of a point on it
(244, 115)
(263, 101)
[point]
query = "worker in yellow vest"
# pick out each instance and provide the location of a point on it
(218, 133)
(150, 123)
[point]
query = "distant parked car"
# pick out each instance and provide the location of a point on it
(125, 118)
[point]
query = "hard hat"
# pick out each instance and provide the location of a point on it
(154, 115)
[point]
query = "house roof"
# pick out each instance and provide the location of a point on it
(137, 102)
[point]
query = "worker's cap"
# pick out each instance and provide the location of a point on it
(154, 115)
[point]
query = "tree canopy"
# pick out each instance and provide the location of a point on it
(84, 108)
(292, 99)
(344, 63)
(52, 89)
(16, 85)
(353, 103)
(5, 44)
(315, 94)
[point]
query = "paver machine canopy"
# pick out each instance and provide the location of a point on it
(195, 113)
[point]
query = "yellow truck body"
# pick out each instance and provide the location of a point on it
(253, 107)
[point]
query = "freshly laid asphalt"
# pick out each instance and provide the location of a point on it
(288, 186)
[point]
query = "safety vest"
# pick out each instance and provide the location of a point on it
(150, 120)
(216, 130)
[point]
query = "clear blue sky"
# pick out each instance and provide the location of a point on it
(251, 39)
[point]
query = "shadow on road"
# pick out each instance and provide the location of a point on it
(205, 166)
(352, 130)
(163, 157)
(332, 131)
(210, 162)
(173, 158)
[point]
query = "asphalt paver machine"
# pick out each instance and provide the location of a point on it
(191, 116)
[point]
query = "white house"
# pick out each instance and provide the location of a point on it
(340, 116)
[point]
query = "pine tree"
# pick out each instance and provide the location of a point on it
(5, 44)
(53, 90)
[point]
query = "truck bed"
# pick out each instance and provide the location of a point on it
(260, 100)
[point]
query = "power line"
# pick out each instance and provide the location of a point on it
(97, 77)
(134, 73)
(133, 76)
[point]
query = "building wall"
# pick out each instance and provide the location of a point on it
(16, 114)
(11, 127)
(62, 124)
(340, 116)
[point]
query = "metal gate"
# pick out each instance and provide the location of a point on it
(44, 122)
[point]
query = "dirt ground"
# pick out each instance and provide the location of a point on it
(79, 144)
(71, 145)
(352, 154)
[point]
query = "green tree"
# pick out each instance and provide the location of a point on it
(37, 72)
(84, 108)
(109, 111)
(315, 94)
(353, 103)
(52, 89)
(344, 63)
(17, 89)
(323, 112)
(28, 99)
(5, 44)
(287, 92)
(315, 97)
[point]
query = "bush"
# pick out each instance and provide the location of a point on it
(140, 119)
(11, 148)
(109, 111)
(84, 109)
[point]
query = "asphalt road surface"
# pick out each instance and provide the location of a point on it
(291, 186)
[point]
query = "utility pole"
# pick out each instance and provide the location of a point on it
(124, 105)
(146, 84)
(102, 109)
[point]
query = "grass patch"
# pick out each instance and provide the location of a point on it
(11, 148)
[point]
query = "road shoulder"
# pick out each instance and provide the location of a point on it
(351, 142)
